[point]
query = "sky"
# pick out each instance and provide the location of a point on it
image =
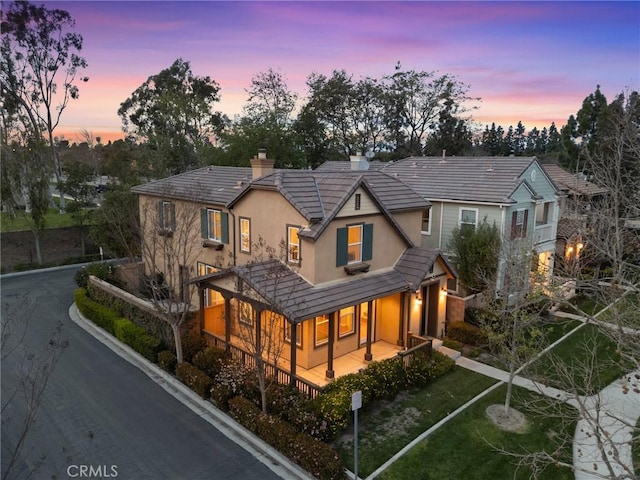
(530, 61)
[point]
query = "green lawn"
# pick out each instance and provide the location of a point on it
(23, 221)
(463, 449)
(386, 427)
(591, 358)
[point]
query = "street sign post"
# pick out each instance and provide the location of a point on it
(356, 404)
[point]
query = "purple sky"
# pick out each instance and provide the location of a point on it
(530, 61)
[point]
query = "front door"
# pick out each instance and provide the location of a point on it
(429, 324)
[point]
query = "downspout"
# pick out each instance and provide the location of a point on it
(233, 249)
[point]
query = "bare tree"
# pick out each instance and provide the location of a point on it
(263, 332)
(22, 399)
(169, 244)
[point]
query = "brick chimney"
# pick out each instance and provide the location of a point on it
(261, 165)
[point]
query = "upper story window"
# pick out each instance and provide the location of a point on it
(358, 200)
(293, 245)
(468, 219)
(426, 221)
(354, 244)
(543, 215)
(245, 235)
(519, 220)
(212, 297)
(214, 225)
(166, 216)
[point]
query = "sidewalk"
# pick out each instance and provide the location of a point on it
(266, 454)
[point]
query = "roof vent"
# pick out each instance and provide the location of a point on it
(490, 169)
(444, 157)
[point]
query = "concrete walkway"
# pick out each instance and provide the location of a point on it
(273, 459)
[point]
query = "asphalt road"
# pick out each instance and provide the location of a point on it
(100, 415)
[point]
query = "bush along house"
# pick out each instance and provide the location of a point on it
(328, 265)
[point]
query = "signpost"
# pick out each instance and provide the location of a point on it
(356, 403)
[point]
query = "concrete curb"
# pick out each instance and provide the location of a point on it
(274, 460)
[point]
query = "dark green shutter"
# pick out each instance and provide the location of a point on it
(224, 224)
(367, 242)
(173, 217)
(342, 247)
(204, 223)
(160, 216)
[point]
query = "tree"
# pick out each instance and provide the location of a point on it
(39, 70)
(172, 112)
(169, 244)
(78, 185)
(475, 254)
(262, 331)
(451, 134)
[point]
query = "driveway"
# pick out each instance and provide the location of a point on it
(99, 413)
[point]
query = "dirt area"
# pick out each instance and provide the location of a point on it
(57, 245)
(515, 421)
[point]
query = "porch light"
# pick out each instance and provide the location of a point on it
(443, 292)
(418, 297)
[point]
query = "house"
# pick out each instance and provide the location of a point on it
(335, 257)
(578, 199)
(515, 193)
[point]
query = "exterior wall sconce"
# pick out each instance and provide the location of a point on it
(418, 296)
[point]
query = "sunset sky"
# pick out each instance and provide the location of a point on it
(530, 61)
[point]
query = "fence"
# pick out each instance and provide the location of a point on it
(416, 344)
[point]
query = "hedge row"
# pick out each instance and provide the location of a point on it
(316, 457)
(380, 380)
(466, 333)
(123, 329)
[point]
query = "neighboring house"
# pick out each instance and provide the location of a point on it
(347, 273)
(515, 193)
(579, 197)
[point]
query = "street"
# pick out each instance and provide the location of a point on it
(100, 417)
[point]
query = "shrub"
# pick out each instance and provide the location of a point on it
(192, 343)
(134, 336)
(103, 271)
(387, 378)
(316, 457)
(451, 343)
(439, 365)
(195, 379)
(423, 369)
(292, 405)
(231, 381)
(167, 361)
(466, 333)
(210, 360)
(99, 314)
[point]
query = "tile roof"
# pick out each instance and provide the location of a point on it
(213, 185)
(476, 179)
(569, 183)
(299, 300)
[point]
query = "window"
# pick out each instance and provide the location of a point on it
(347, 324)
(426, 221)
(358, 201)
(293, 245)
(519, 223)
(354, 244)
(287, 333)
(214, 225)
(245, 313)
(166, 216)
(322, 329)
(542, 213)
(211, 297)
(468, 219)
(245, 235)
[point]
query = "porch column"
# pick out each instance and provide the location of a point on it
(368, 356)
(332, 320)
(294, 348)
(258, 323)
(201, 306)
(227, 323)
(403, 314)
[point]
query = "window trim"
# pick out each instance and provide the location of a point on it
(166, 216)
(291, 261)
(242, 235)
(240, 318)
(353, 322)
(470, 209)
(360, 226)
(358, 201)
(325, 319)
(209, 233)
(205, 269)
(519, 230)
(428, 215)
(286, 329)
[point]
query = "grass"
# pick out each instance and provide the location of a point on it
(591, 358)
(22, 221)
(463, 448)
(386, 427)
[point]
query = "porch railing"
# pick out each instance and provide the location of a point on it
(273, 371)
(416, 344)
